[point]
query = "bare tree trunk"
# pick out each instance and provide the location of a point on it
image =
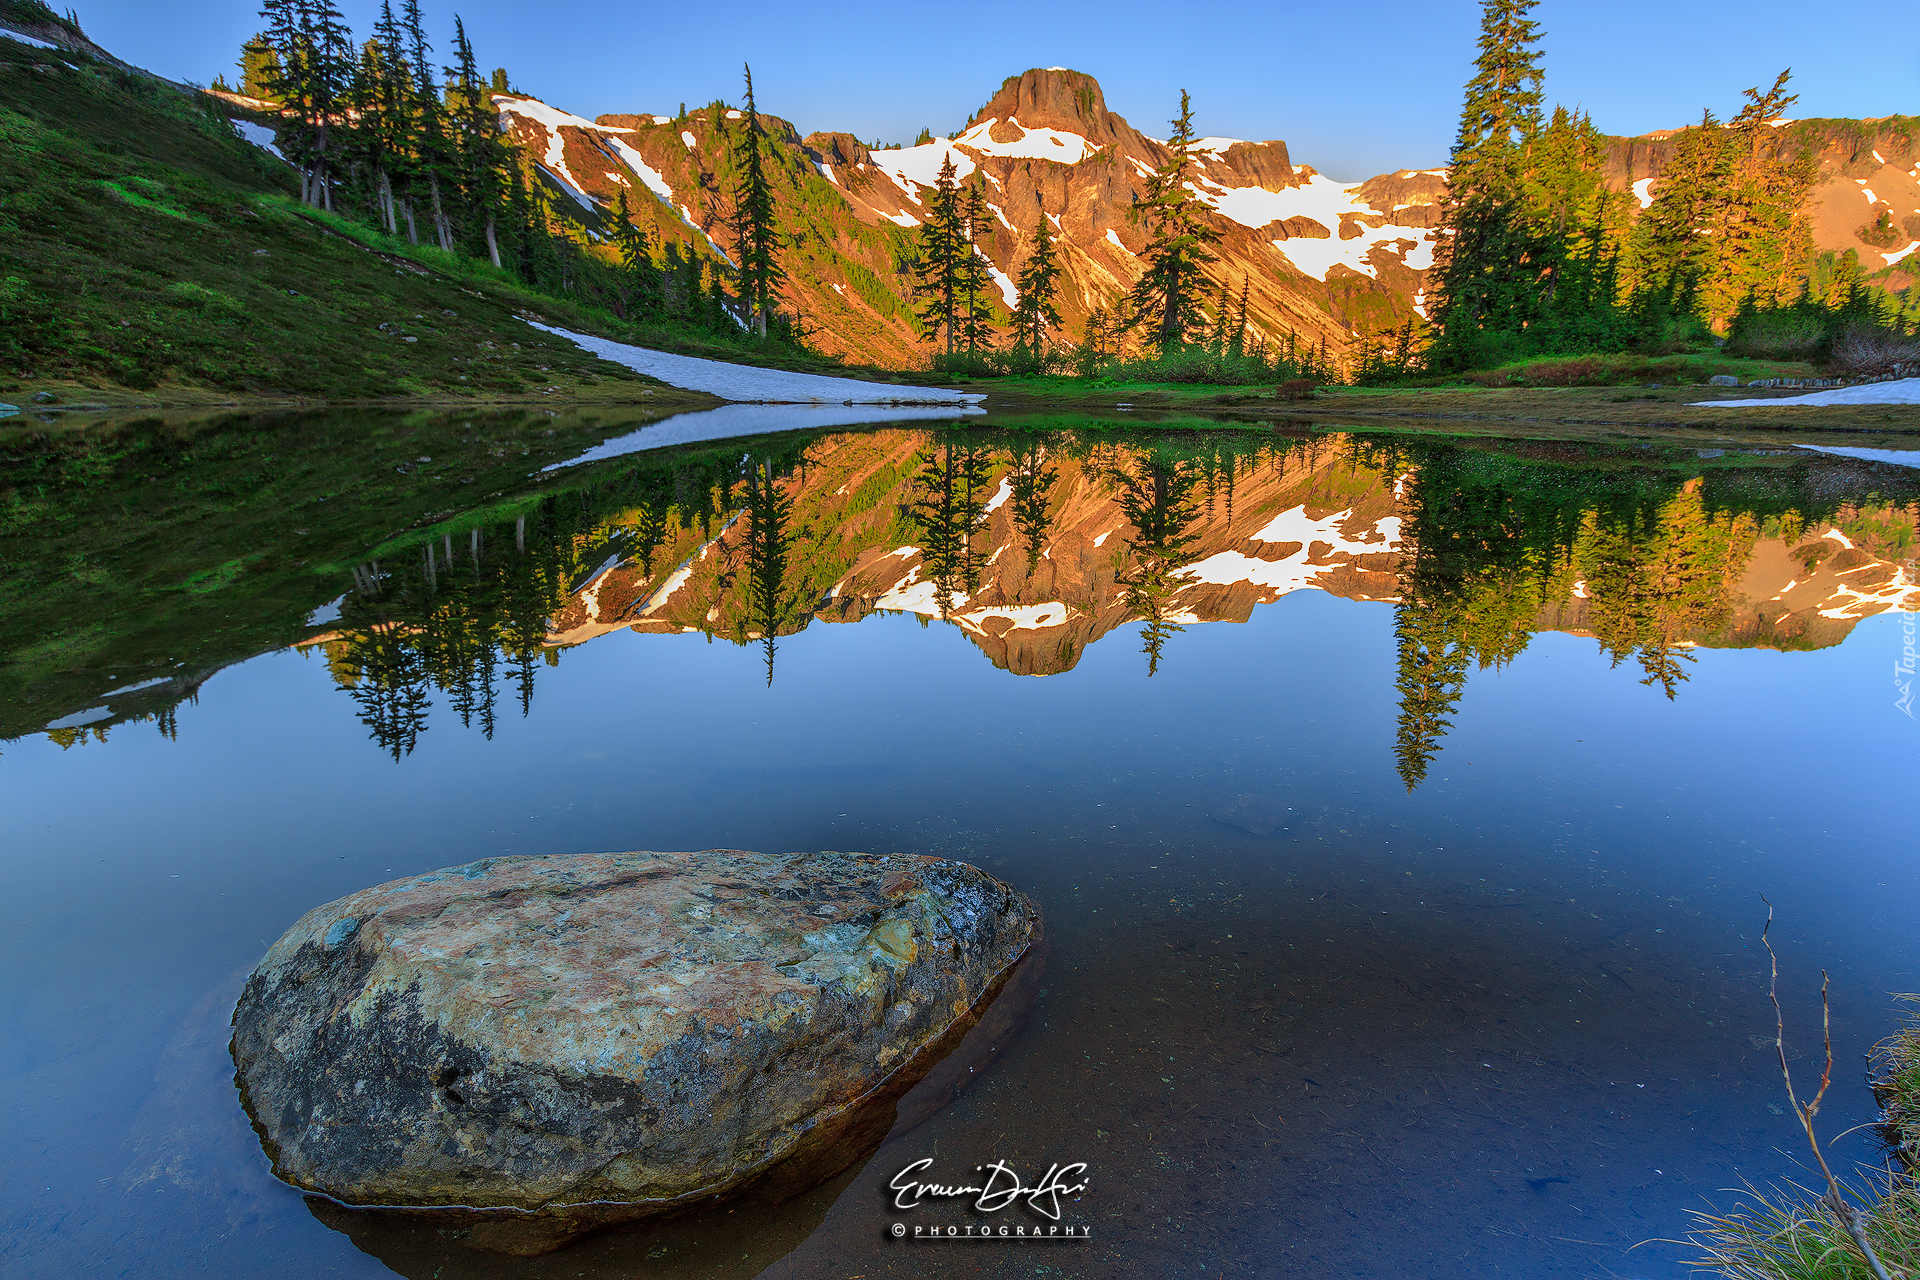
(493, 245)
(385, 188)
(413, 232)
(440, 226)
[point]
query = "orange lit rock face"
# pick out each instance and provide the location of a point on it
(552, 1044)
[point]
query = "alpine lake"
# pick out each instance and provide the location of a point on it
(1404, 808)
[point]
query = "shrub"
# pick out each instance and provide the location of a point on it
(1295, 389)
(1871, 350)
(1778, 335)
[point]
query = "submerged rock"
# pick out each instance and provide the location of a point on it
(535, 1047)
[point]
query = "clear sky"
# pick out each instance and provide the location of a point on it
(1354, 89)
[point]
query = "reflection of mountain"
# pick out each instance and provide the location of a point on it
(1036, 544)
(885, 519)
(880, 511)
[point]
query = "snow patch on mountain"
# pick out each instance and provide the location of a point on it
(552, 117)
(259, 135)
(1032, 144)
(1326, 202)
(1643, 192)
(1008, 290)
(642, 170)
(921, 165)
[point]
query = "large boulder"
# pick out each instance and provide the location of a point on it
(535, 1047)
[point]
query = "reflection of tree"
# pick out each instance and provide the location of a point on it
(950, 507)
(768, 509)
(1431, 675)
(1031, 482)
(448, 617)
(1480, 558)
(1154, 489)
(1654, 584)
(1492, 546)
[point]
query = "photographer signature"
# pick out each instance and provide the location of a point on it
(1001, 1188)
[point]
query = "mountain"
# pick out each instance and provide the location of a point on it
(1320, 257)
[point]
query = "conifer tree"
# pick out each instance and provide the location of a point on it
(975, 317)
(940, 259)
(1670, 249)
(473, 132)
(1037, 309)
(1487, 261)
(1167, 295)
(259, 68)
(431, 159)
(1761, 239)
(310, 81)
(756, 242)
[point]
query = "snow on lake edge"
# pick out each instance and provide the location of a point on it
(750, 385)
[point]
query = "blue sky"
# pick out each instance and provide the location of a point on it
(1354, 89)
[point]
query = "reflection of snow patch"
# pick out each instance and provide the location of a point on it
(1102, 539)
(1116, 243)
(79, 718)
(1024, 617)
(1000, 495)
(328, 612)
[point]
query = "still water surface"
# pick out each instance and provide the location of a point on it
(1402, 924)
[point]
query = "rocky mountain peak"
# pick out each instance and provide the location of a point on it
(1055, 98)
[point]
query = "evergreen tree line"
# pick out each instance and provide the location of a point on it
(1538, 255)
(384, 136)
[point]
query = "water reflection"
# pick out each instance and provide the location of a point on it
(1037, 544)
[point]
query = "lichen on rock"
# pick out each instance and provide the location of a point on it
(540, 1046)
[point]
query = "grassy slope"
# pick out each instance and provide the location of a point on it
(144, 249)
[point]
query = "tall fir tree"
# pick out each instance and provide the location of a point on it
(1761, 235)
(1487, 261)
(432, 160)
(259, 67)
(974, 301)
(940, 259)
(1670, 250)
(756, 240)
(479, 158)
(1168, 294)
(1037, 311)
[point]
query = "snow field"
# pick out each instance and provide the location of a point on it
(1904, 391)
(749, 385)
